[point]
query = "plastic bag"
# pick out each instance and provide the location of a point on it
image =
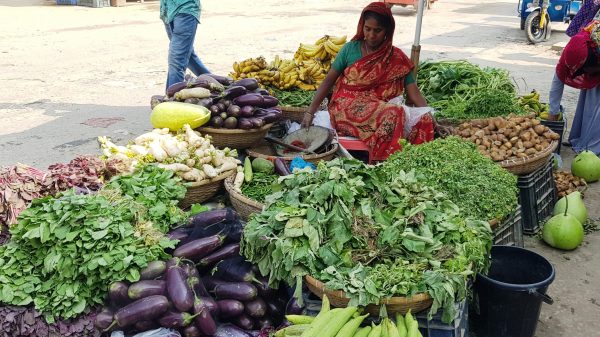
(160, 332)
(299, 163)
(411, 114)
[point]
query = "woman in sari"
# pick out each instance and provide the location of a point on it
(368, 72)
(579, 67)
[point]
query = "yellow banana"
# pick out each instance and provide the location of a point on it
(340, 40)
(322, 40)
(335, 48)
(236, 67)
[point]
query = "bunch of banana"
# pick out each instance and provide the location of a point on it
(311, 72)
(248, 68)
(531, 103)
(332, 44)
(325, 48)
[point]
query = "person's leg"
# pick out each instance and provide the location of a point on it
(196, 65)
(183, 30)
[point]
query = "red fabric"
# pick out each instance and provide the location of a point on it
(573, 58)
(359, 105)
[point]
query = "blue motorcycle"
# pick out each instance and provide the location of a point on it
(536, 16)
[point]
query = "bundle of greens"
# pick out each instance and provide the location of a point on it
(369, 234)
(66, 250)
(456, 89)
(482, 189)
(293, 98)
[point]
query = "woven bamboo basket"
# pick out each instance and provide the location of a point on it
(204, 190)
(243, 205)
(265, 151)
(529, 164)
(394, 305)
(294, 113)
(235, 138)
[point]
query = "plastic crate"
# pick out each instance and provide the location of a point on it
(66, 2)
(94, 3)
(436, 328)
(558, 127)
(537, 196)
(510, 231)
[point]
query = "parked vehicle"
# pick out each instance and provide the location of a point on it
(536, 16)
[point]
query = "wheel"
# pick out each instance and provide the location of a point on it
(532, 28)
(522, 23)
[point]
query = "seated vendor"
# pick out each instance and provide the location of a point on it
(368, 72)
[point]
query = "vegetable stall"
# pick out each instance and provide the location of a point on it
(141, 236)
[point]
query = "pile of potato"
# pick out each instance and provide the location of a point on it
(567, 183)
(504, 138)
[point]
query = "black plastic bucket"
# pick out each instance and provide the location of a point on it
(509, 298)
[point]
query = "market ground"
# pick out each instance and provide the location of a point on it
(70, 74)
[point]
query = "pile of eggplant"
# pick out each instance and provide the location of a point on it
(233, 105)
(206, 289)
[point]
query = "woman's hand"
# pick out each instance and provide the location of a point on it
(307, 120)
(414, 96)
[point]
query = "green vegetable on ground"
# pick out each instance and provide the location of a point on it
(247, 170)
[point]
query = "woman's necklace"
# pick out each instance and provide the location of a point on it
(367, 51)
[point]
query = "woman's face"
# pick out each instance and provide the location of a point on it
(374, 33)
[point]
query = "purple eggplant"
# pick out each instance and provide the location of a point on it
(153, 270)
(176, 87)
(191, 331)
(275, 310)
(199, 248)
(245, 124)
(235, 232)
(204, 320)
(234, 111)
(197, 286)
(257, 122)
(103, 319)
(172, 262)
(146, 325)
(207, 82)
(145, 288)
(232, 249)
(263, 322)
(248, 83)
(249, 99)
(261, 91)
(247, 111)
(176, 320)
(117, 292)
(179, 233)
(256, 308)
(234, 269)
(205, 102)
(145, 309)
(234, 91)
(211, 217)
(230, 308)
(178, 289)
(222, 228)
(264, 290)
(293, 308)
(221, 79)
(281, 167)
(243, 321)
(211, 282)
(269, 101)
(242, 291)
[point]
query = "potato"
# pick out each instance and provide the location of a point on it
(528, 145)
(538, 147)
(526, 125)
(514, 140)
(508, 145)
(539, 129)
(530, 151)
(478, 141)
(554, 136)
(482, 148)
(535, 122)
(525, 136)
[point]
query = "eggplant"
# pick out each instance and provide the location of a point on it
(248, 83)
(249, 99)
(221, 79)
(211, 282)
(242, 291)
(230, 330)
(208, 303)
(243, 321)
(269, 101)
(199, 248)
(156, 100)
(230, 308)
(234, 91)
(216, 122)
(275, 310)
(176, 320)
(178, 289)
(205, 102)
(235, 232)
(232, 249)
(293, 308)
(257, 122)
(192, 100)
(176, 87)
(247, 111)
(145, 309)
(214, 110)
(245, 124)
(103, 319)
(211, 217)
(153, 270)
(263, 323)
(197, 286)
(180, 233)
(191, 331)
(146, 325)
(261, 91)
(222, 228)
(145, 288)
(204, 320)
(281, 167)
(234, 269)
(189, 268)
(117, 292)
(222, 107)
(264, 290)
(230, 123)
(234, 111)
(256, 308)
(207, 82)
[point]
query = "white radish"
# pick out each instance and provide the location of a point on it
(210, 171)
(157, 151)
(175, 167)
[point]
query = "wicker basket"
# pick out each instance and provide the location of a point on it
(294, 113)
(265, 151)
(243, 205)
(529, 164)
(235, 138)
(204, 190)
(394, 305)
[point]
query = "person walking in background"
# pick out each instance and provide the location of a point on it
(181, 18)
(583, 17)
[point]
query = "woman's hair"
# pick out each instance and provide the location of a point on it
(382, 20)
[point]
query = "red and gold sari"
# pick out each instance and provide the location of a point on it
(359, 105)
